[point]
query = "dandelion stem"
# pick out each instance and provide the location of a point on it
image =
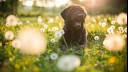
(65, 41)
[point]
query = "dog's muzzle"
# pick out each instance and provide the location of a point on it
(79, 20)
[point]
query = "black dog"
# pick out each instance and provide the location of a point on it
(75, 33)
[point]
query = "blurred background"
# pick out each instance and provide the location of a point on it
(54, 7)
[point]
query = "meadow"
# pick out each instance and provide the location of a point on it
(95, 57)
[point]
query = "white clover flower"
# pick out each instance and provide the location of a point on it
(16, 43)
(45, 26)
(42, 30)
(113, 22)
(54, 28)
(53, 40)
(32, 40)
(11, 20)
(124, 36)
(50, 20)
(120, 28)
(58, 34)
(110, 31)
(54, 56)
(112, 26)
(114, 42)
(122, 18)
(9, 35)
(96, 37)
(68, 62)
(39, 19)
(103, 24)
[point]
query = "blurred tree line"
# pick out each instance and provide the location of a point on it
(8, 6)
(102, 6)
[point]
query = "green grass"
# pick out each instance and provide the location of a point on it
(94, 58)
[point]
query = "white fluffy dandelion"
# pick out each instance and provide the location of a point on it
(16, 43)
(120, 28)
(9, 35)
(54, 28)
(125, 30)
(42, 30)
(11, 20)
(110, 31)
(32, 41)
(62, 32)
(53, 40)
(114, 42)
(124, 36)
(50, 20)
(53, 56)
(122, 18)
(68, 62)
(58, 34)
(103, 24)
(45, 26)
(113, 27)
(96, 37)
(113, 22)
(39, 19)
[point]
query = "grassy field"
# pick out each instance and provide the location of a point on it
(94, 58)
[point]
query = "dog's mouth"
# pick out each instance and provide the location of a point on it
(78, 24)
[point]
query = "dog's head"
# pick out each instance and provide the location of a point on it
(74, 15)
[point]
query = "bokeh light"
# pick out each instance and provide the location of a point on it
(32, 41)
(114, 42)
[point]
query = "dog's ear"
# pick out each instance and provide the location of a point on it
(64, 13)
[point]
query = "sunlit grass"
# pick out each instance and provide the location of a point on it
(94, 58)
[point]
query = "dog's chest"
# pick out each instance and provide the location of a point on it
(73, 37)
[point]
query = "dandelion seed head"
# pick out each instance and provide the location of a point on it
(110, 31)
(9, 35)
(50, 20)
(125, 30)
(58, 34)
(124, 36)
(39, 19)
(54, 56)
(45, 26)
(113, 22)
(113, 27)
(120, 28)
(16, 43)
(122, 18)
(96, 37)
(103, 24)
(53, 40)
(11, 20)
(114, 42)
(42, 30)
(68, 62)
(33, 42)
(54, 28)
